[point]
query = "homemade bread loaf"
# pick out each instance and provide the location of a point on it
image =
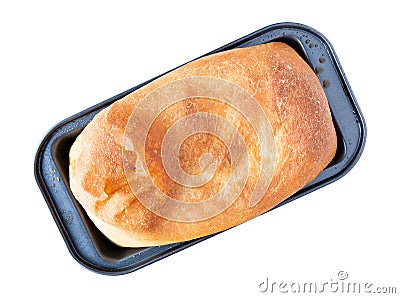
(203, 148)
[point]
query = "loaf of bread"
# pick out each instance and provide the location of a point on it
(203, 148)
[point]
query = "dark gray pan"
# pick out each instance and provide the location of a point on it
(84, 241)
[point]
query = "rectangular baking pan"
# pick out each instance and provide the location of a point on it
(84, 241)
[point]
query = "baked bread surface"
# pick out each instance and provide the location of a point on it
(296, 109)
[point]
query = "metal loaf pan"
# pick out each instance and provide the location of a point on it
(84, 241)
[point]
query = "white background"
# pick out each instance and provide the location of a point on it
(58, 59)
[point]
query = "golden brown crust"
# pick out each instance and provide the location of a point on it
(293, 101)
